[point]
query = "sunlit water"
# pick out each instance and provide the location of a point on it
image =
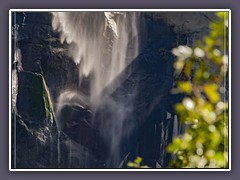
(102, 44)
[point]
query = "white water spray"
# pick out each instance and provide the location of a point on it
(18, 67)
(101, 43)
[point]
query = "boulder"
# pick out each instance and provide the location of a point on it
(76, 122)
(31, 145)
(33, 124)
(33, 100)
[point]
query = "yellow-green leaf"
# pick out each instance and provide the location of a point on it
(185, 87)
(211, 92)
(138, 160)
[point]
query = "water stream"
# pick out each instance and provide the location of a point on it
(102, 44)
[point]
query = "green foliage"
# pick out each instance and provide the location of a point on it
(136, 164)
(47, 101)
(205, 109)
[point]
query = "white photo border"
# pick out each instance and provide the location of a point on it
(113, 10)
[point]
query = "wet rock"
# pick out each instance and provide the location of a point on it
(33, 100)
(60, 72)
(43, 53)
(76, 122)
(72, 154)
(32, 148)
(76, 140)
(192, 24)
(38, 18)
(134, 110)
(34, 124)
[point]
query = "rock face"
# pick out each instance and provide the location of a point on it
(76, 122)
(33, 101)
(40, 64)
(34, 122)
(135, 112)
(42, 52)
(135, 117)
(78, 138)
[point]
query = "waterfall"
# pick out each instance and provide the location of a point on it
(101, 43)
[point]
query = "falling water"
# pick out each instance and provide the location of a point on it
(101, 43)
(18, 67)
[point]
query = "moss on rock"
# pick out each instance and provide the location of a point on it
(34, 122)
(33, 100)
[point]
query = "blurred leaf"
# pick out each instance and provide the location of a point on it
(204, 144)
(211, 92)
(137, 163)
(185, 87)
(138, 160)
(131, 164)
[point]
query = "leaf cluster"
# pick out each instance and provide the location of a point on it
(204, 110)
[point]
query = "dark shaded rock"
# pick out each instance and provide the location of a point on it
(60, 71)
(129, 108)
(76, 122)
(72, 154)
(76, 140)
(34, 123)
(192, 25)
(130, 111)
(154, 136)
(38, 18)
(33, 100)
(31, 57)
(35, 31)
(18, 17)
(33, 147)
(43, 53)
